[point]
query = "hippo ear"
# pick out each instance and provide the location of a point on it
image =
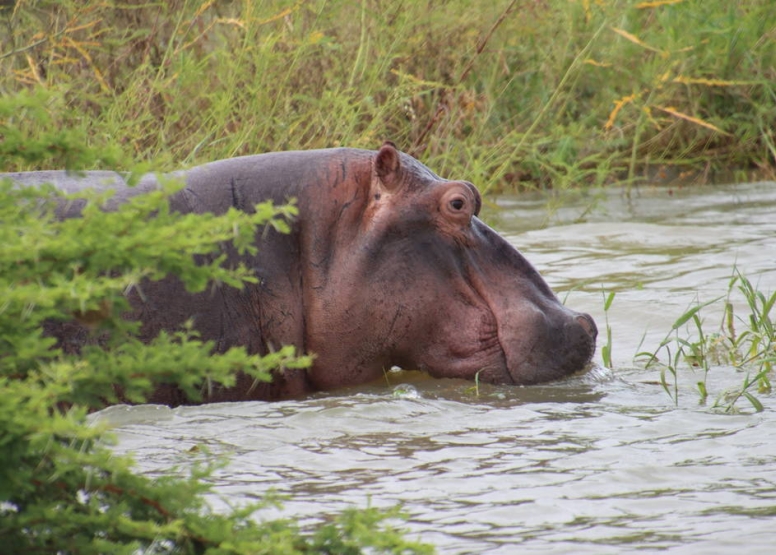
(388, 166)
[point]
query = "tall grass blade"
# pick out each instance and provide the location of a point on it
(684, 318)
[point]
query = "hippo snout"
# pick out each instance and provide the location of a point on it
(547, 344)
(588, 324)
(579, 344)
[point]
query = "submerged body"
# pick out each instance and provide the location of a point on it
(386, 265)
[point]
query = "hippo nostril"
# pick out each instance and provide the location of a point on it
(587, 323)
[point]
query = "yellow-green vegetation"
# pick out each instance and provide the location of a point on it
(506, 94)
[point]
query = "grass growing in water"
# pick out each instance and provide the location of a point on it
(744, 342)
(606, 348)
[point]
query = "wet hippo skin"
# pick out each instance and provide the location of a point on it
(386, 265)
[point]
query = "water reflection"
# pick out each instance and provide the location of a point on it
(600, 463)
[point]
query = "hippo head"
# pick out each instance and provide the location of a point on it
(418, 281)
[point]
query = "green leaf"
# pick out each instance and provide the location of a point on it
(755, 402)
(684, 318)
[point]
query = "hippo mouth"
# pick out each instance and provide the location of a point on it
(554, 347)
(526, 348)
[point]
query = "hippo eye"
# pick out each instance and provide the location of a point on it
(457, 204)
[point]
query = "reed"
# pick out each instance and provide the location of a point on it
(506, 94)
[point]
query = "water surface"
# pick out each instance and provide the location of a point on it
(601, 463)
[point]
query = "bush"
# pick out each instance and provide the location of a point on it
(61, 489)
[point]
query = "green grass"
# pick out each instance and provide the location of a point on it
(505, 94)
(747, 343)
(606, 348)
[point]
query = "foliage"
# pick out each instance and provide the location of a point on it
(506, 94)
(606, 348)
(61, 489)
(751, 351)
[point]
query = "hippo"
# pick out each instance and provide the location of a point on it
(387, 265)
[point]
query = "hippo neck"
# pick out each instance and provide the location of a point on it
(330, 188)
(331, 203)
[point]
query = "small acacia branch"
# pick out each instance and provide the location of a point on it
(111, 488)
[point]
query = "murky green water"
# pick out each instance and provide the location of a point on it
(602, 463)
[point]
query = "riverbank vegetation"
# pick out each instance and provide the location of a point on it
(507, 94)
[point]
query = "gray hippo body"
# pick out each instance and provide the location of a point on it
(386, 265)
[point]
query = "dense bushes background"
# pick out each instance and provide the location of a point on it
(509, 93)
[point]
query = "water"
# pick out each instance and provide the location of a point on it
(601, 463)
